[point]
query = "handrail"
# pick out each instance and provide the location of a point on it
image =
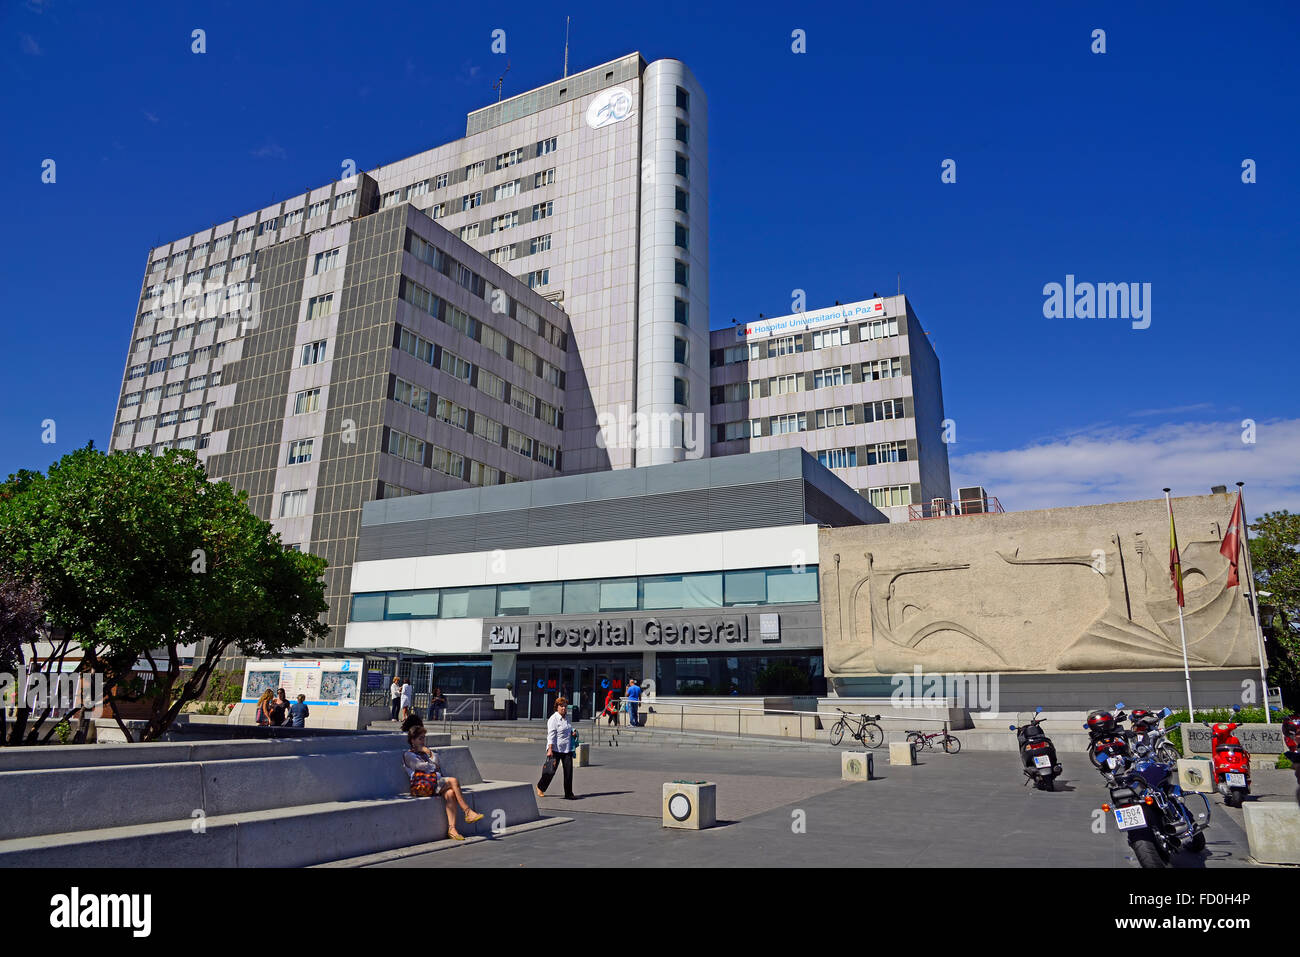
(475, 705)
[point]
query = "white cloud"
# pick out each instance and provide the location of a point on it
(269, 151)
(1127, 463)
(29, 44)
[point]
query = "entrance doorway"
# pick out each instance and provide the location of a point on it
(584, 682)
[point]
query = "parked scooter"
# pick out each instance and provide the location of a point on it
(1231, 763)
(1291, 732)
(1107, 739)
(1037, 754)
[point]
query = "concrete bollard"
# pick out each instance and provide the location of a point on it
(584, 755)
(691, 805)
(1194, 774)
(902, 752)
(856, 765)
(1273, 831)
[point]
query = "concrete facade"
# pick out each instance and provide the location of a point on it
(1079, 594)
(857, 385)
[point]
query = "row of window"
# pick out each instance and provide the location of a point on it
(209, 297)
(147, 423)
(881, 453)
(193, 384)
(499, 162)
(201, 354)
(754, 586)
(792, 382)
(498, 342)
(485, 427)
(430, 456)
(221, 244)
(194, 442)
(791, 345)
(502, 304)
(179, 334)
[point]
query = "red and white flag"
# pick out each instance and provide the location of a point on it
(1231, 547)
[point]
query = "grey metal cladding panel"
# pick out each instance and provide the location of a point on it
(731, 470)
(454, 503)
(564, 489)
(623, 483)
(691, 474)
(507, 498)
(408, 508)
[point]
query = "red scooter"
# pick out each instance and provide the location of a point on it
(1231, 763)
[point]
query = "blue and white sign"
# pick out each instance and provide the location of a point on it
(804, 321)
(609, 106)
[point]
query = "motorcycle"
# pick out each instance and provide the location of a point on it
(1231, 765)
(1106, 737)
(1291, 731)
(1037, 754)
(1149, 739)
(1149, 806)
(1153, 813)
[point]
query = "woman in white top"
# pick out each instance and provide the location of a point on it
(408, 698)
(395, 692)
(420, 758)
(559, 750)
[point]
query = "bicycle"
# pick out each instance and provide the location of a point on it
(867, 731)
(922, 741)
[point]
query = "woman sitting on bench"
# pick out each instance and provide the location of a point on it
(426, 781)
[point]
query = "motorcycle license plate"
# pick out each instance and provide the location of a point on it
(1130, 817)
(1236, 780)
(1042, 761)
(1113, 762)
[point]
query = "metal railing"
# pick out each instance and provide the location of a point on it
(810, 722)
(947, 508)
(474, 706)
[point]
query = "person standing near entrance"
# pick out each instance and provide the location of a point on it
(633, 701)
(408, 698)
(395, 692)
(559, 750)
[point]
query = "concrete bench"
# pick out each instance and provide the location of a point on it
(279, 837)
(66, 800)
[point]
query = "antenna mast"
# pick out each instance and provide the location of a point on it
(566, 47)
(499, 85)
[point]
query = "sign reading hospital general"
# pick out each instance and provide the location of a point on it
(804, 321)
(624, 634)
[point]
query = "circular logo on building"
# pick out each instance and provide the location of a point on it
(609, 106)
(679, 806)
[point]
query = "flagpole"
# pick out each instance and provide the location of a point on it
(1254, 599)
(1182, 631)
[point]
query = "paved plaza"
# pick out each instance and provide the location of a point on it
(966, 810)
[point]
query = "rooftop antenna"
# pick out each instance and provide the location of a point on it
(566, 48)
(500, 83)
(900, 283)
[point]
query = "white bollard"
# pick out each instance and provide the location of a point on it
(902, 752)
(856, 765)
(690, 805)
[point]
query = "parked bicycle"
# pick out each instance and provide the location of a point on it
(921, 740)
(866, 729)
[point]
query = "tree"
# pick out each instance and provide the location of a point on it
(1275, 558)
(135, 555)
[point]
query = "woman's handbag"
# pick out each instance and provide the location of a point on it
(549, 765)
(424, 784)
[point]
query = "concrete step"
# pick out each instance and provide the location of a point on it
(277, 837)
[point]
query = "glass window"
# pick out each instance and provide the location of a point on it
(412, 604)
(538, 598)
(368, 607)
(747, 587)
(618, 594)
(682, 591)
(581, 597)
(788, 585)
(479, 602)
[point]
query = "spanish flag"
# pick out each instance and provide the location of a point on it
(1175, 564)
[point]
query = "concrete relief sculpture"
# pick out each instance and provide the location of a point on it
(1041, 593)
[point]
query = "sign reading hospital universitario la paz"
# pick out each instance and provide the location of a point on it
(803, 321)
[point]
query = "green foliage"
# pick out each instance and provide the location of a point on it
(1275, 557)
(1253, 715)
(64, 730)
(1284, 763)
(136, 554)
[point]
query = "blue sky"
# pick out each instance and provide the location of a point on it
(824, 176)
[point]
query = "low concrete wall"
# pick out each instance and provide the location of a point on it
(64, 800)
(167, 752)
(1262, 739)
